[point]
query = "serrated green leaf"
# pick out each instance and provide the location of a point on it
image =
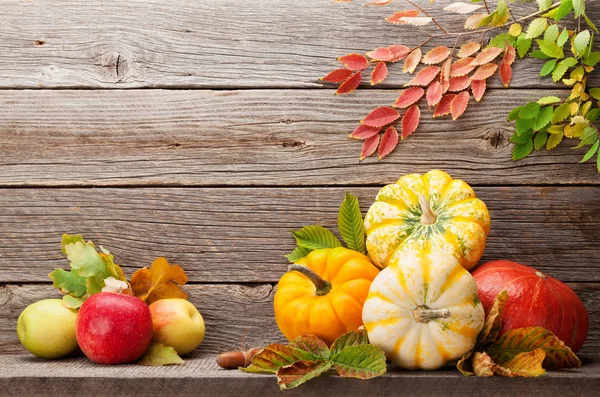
(524, 126)
(351, 225)
(275, 356)
(71, 239)
(315, 237)
(294, 375)
(538, 54)
(598, 162)
(158, 355)
(551, 33)
(352, 338)
(563, 37)
(530, 111)
(522, 150)
(548, 100)
(590, 23)
(581, 41)
(523, 45)
(554, 140)
(578, 7)
(70, 302)
(313, 345)
(562, 68)
(593, 114)
(588, 137)
(548, 67)
(550, 48)
(362, 362)
(536, 28)
(543, 118)
(595, 93)
(592, 58)
(524, 138)
(297, 254)
(544, 4)
(540, 140)
(563, 10)
(70, 283)
(590, 153)
(86, 260)
(561, 113)
(514, 114)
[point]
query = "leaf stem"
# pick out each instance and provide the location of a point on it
(426, 13)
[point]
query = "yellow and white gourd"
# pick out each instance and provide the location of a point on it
(430, 211)
(423, 310)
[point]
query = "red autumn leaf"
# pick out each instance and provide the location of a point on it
(410, 121)
(445, 72)
(395, 18)
(379, 3)
(399, 52)
(443, 106)
(468, 49)
(408, 97)
(369, 146)
(478, 88)
(380, 54)
(462, 67)
(509, 54)
(436, 55)
(425, 76)
(354, 62)
(379, 73)
(484, 71)
(389, 141)
(445, 86)
(337, 76)
(459, 104)
(505, 73)
(380, 117)
(459, 83)
(487, 55)
(364, 132)
(412, 61)
(350, 85)
(434, 93)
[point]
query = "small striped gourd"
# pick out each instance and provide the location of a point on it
(423, 310)
(430, 211)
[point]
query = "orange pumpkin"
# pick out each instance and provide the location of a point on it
(323, 294)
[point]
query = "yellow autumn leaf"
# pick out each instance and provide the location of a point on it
(160, 281)
(515, 29)
(527, 365)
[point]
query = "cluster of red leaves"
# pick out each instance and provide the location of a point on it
(442, 80)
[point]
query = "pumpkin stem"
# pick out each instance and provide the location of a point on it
(428, 217)
(323, 286)
(423, 314)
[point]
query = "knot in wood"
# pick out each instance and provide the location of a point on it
(497, 139)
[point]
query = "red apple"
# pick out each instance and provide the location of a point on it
(534, 299)
(114, 328)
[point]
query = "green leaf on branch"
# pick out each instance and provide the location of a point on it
(360, 361)
(352, 338)
(566, 6)
(562, 68)
(548, 67)
(530, 111)
(590, 23)
(578, 7)
(524, 126)
(315, 237)
(551, 33)
(312, 345)
(536, 28)
(548, 100)
(514, 114)
(581, 41)
(522, 150)
(595, 93)
(543, 118)
(350, 224)
(550, 48)
(561, 113)
(590, 153)
(540, 140)
(523, 45)
(71, 302)
(158, 355)
(521, 139)
(297, 254)
(563, 37)
(70, 283)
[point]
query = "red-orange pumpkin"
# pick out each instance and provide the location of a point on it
(534, 298)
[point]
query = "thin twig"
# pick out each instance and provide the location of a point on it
(486, 6)
(426, 13)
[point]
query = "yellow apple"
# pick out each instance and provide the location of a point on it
(177, 323)
(47, 329)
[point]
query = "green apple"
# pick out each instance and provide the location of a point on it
(47, 329)
(177, 323)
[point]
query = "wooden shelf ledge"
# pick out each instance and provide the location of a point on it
(25, 375)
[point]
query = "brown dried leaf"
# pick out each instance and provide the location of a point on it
(160, 281)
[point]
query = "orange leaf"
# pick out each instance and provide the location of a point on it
(459, 83)
(468, 49)
(369, 147)
(462, 67)
(425, 76)
(337, 76)
(436, 55)
(486, 56)
(379, 3)
(434, 93)
(399, 52)
(364, 132)
(410, 121)
(395, 18)
(380, 117)
(509, 54)
(350, 85)
(160, 281)
(505, 73)
(412, 61)
(380, 54)
(408, 97)
(354, 61)
(389, 141)
(443, 106)
(445, 72)
(478, 88)
(484, 71)
(445, 86)
(379, 73)
(459, 104)
(472, 22)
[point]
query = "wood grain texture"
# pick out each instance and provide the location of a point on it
(25, 376)
(241, 234)
(233, 313)
(258, 137)
(208, 44)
